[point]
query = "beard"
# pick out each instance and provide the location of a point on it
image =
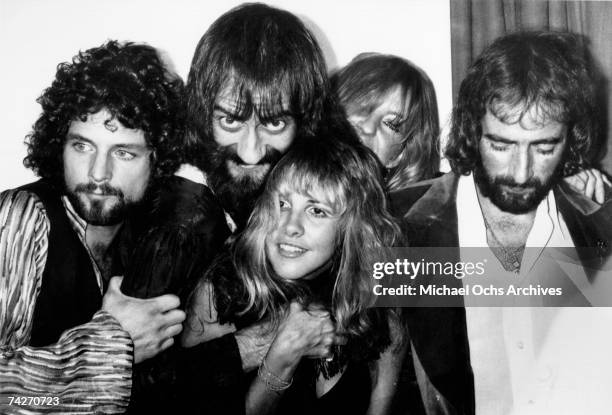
(510, 196)
(108, 211)
(238, 191)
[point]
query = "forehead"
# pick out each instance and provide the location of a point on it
(102, 128)
(307, 187)
(526, 128)
(233, 97)
(394, 100)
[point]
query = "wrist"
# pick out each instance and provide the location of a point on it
(251, 351)
(282, 360)
(273, 381)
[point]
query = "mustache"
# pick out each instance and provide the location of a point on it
(103, 189)
(532, 183)
(271, 156)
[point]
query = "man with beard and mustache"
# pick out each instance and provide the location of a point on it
(68, 337)
(527, 115)
(258, 82)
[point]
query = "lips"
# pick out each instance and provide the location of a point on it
(255, 171)
(290, 251)
(519, 190)
(98, 194)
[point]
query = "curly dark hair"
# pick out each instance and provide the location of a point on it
(551, 72)
(131, 82)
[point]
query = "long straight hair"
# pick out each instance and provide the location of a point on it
(367, 80)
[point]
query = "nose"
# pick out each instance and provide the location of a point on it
(250, 147)
(293, 225)
(522, 166)
(366, 128)
(100, 169)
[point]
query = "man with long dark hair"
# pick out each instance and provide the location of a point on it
(258, 82)
(527, 115)
(110, 126)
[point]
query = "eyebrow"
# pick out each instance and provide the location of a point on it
(547, 140)
(235, 114)
(131, 146)
(227, 111)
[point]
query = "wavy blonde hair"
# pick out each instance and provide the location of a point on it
(350, 176)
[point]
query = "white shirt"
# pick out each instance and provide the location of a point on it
(524, 358)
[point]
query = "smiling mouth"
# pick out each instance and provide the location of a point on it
(290, 251)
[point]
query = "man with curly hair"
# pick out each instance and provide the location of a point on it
(527, 115)
(110, 126)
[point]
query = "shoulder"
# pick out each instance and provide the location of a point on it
(181, 200)
(21, 208)
(425, 195)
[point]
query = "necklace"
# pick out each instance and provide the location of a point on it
(509, 256)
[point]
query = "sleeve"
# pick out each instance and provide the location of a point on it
(180, 237)
(211, 379)
(89, 368)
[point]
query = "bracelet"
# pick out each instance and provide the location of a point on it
(273, 382)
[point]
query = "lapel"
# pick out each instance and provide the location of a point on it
(428, 216)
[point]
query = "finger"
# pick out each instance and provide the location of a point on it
(166, 344)
(327, 341)
(340, 340)
(606, 180)
(320, 352)
(600, 187)
(328, 327)
(590, 184)
(115, 283)
(174, 317)
(166, 302)
(295, 307)
(318, 314)
(173, 330)
(575, 183)
(315, 307)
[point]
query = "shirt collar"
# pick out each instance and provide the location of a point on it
(79, 225)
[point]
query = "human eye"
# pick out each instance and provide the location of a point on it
(274, 125)
(125, 155)
(81, 146)
(229, 122)
(393, 124)
(545, 149)
(283, 204)
(319, 212)
(499, 146)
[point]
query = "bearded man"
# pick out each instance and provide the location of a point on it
(526, 116)
(68, 336)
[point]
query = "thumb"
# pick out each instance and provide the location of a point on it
(295, 307)
(115, 283)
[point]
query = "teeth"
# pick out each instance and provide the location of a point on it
(291, 248)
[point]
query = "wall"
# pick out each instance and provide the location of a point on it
(36, 35)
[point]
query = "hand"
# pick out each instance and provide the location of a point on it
(303, 333)
(591, 183)
(253, 344)
(152, 323)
